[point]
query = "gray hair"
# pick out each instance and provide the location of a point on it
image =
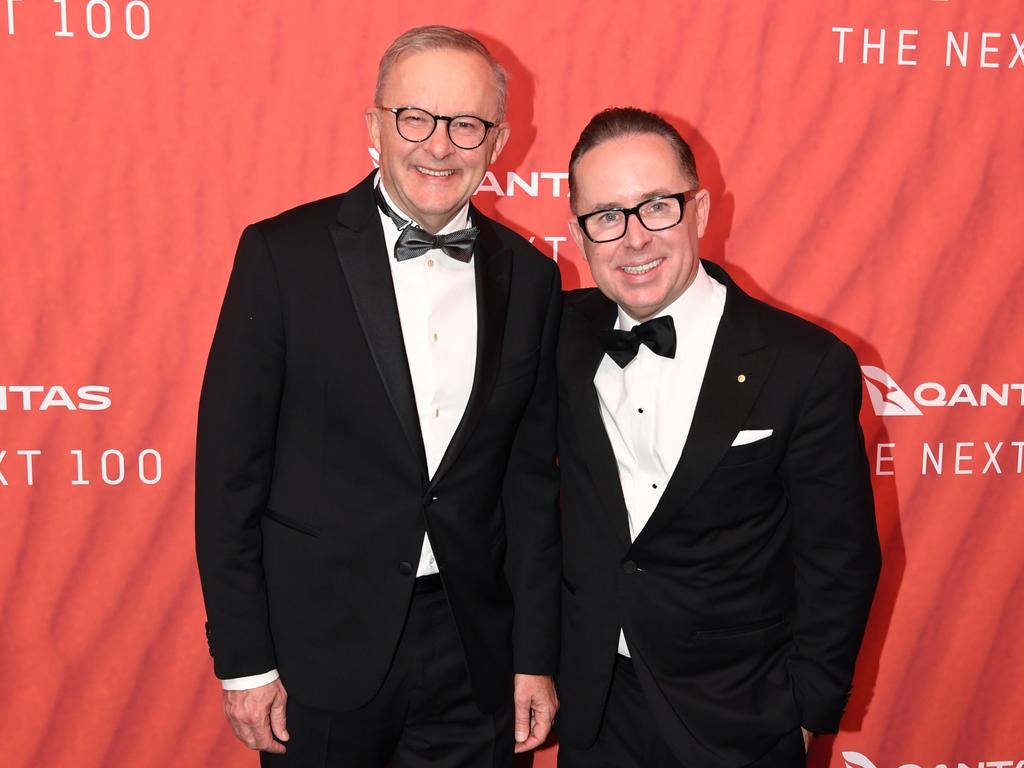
(437, 37)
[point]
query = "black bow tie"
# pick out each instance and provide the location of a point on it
(658, 334)
(414, 241)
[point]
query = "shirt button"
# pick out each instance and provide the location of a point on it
(435, 337)
(430, 263)
(639, 410)
(437, 412)
(654, 485)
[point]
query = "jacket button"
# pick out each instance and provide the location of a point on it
(405, 568)
(629, 567)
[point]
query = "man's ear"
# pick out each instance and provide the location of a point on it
(703, 203)
(373, 126)
(578, 237)
(501, 134)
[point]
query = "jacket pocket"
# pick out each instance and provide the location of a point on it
(740, 455)
(289, 522)
(739, 629)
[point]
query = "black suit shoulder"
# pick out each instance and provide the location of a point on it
(526, 255)
(801, 341)
(299, 235)
(792, 331)
(507, 236)
(313, 213)
(811, 358)
(577, 296)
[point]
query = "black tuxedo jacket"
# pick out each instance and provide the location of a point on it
(745, 596)
(312, 495)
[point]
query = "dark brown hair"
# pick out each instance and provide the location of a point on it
(616, 122)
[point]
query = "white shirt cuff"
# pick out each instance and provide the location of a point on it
(246, 683)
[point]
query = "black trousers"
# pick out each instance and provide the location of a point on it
(423, 716)
(630, 736)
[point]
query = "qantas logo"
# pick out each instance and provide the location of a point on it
(531, 184)
(887, 397)
(27, 397)
(890, 399)
(857, 760)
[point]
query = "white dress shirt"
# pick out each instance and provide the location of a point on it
(436, 298)
(437, 306)
(647, 407)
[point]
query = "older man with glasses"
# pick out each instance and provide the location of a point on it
(720, 552)
(376, 488)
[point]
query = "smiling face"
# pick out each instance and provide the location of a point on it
(431, 180)
(643, 272)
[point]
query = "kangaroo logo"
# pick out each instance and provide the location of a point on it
(888, 399)
(856, 759)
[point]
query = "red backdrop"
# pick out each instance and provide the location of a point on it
(877, 196)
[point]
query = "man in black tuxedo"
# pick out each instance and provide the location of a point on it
(376, 485)
(720, 551)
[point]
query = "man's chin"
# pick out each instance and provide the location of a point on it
(640, 306)
(439, 212)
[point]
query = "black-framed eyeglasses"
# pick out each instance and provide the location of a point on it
(417, 125)
(656, 213)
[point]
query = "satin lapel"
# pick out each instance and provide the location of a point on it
(583, 354)
(492, 268)
(737, 369)
(359, 240)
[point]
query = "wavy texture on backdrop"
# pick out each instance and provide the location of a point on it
(880, 198)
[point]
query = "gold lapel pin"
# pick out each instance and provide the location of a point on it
(741, 378)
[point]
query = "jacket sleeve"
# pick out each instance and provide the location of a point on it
(835, 542)
(238, 412)
(530, 499)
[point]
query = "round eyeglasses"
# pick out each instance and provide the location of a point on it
(417, 125)
(656, 213)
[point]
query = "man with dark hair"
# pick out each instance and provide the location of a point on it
(376, 487)
(720, 551)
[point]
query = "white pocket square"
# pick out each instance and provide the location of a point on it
(746, 436)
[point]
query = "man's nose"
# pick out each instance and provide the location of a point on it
(439, 144)
(637, 235)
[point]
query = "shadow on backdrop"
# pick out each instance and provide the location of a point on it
(519, 112)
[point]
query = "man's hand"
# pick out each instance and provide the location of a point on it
(807, 739)
(257, 716)
(536, 703)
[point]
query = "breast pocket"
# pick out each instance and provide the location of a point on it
(759, 450)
